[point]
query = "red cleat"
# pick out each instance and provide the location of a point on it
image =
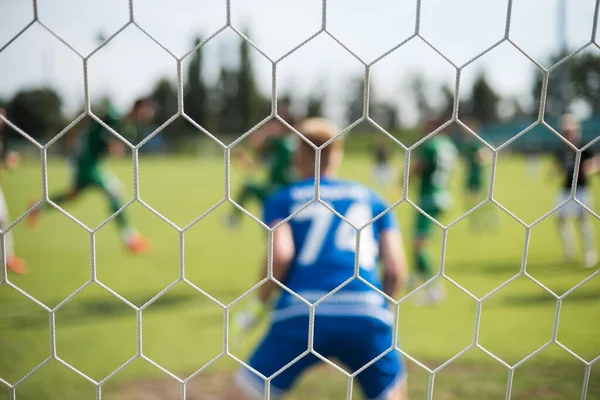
(16, 264)
(138, 245)
(34, 216)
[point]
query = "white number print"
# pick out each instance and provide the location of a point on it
(320, 219)
(345, 236)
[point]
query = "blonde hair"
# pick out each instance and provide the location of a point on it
(319, 131)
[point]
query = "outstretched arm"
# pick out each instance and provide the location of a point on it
(283, 253)
(484, 156)
(116, 148)
(592, 165)
(394, 261)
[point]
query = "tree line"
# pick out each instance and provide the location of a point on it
(234, 103)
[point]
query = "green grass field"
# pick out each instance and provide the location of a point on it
(183, 330)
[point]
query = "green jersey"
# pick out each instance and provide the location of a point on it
(280, 150)
(474, 166)
(438, 158)
(94, 141)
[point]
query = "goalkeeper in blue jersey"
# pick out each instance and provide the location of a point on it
(313, 253)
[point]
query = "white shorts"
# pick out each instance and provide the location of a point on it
(572, 209)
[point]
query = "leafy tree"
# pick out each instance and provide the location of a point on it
(354, 106)
(447, 100)
(165, 98)
(38, 112)
(418, 88)
(314, 106)
(246, 87)
(585, 77)
(195, 95)
(387, 116)
(228, 116)
(484, 100)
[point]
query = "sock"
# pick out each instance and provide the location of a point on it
(423, 264)
(243, 198)
(111, 187)
(587, 232)
(128, 233)
(492, 217)
(566, 234)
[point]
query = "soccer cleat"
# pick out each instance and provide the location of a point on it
(138, 245)
(413, 282)
(16, 264)
(590, 259)
(34, 215)
(430, 295)
(248, 319)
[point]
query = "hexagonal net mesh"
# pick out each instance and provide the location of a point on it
(227, 148)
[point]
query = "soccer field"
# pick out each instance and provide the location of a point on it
(183, 330)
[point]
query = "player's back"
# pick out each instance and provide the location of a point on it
(94, 141)
(471, 150)
(325, 255)
(280, 156)
(438, 156)
(474, 166)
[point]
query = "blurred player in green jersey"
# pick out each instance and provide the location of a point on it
(274, 145)
(476, 157)
(435, 161)
(95, 143)
(10, 160)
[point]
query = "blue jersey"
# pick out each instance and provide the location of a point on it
(325, 248)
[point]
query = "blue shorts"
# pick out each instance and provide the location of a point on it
(354, 341)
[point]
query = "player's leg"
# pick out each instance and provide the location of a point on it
(471, 197)
(13, 263)
(434, 292)
(422, 232)
(111, 187)
(249, 192)
(284, 342)
(82, 178)
(564, 229)
(586, 229)
(359, 340)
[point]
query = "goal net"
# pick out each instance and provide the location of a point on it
(410, 151)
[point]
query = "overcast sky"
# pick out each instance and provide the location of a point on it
(131, 63)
